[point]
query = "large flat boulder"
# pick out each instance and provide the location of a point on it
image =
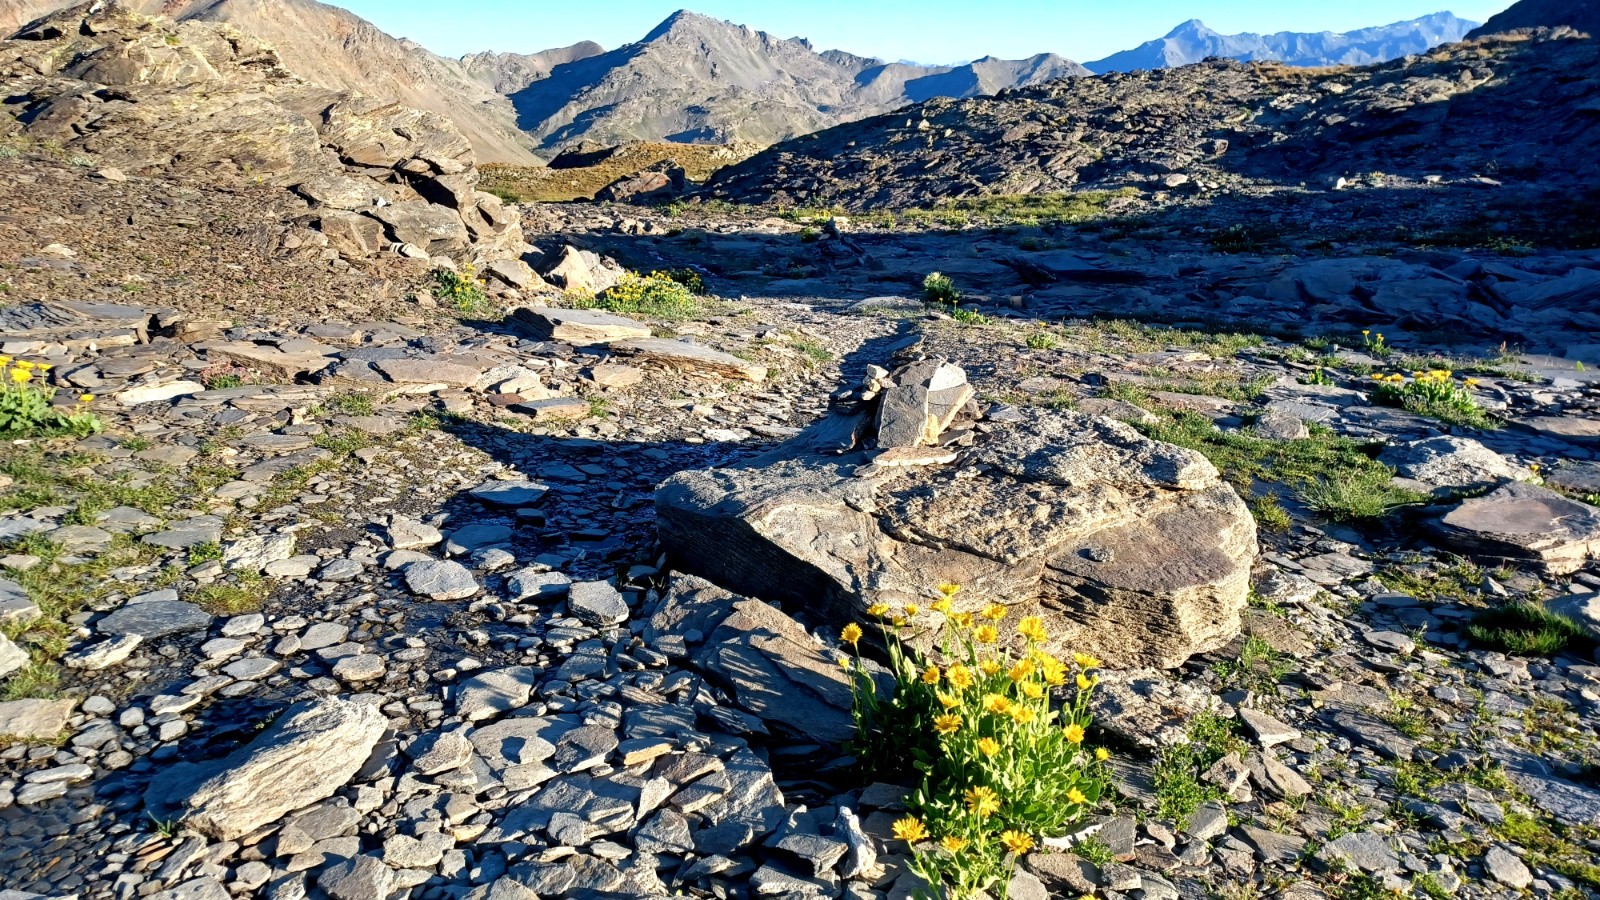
(1527, 523)
(578, 327)
(1130, 549)
(682, 356)
(310, 752)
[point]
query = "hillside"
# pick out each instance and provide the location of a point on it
(337, 49)
(1508, 108)
(1583, 15)
(695, 79)
(1193, 42)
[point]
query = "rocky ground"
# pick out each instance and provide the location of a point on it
(360, 595)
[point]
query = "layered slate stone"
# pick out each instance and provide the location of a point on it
(920, 402)
(682, 356)
(579, 327)
(1525, 522)
(766, 660)
(1130, 549)
(310, 752)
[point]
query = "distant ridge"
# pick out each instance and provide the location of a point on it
(1192, 42)
(696, 79)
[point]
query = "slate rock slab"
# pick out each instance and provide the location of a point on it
(766, 660)
(1524, 522)
(310, 752)
(683, 356)
(440, 579)
(155, 619)
(1452, 462)
(1583, 609)
(579, 327)
(35, 719)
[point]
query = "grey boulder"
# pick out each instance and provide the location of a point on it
(1130, 549)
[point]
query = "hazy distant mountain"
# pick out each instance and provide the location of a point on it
(334, 48)
(1192, 42)
(694, 79)
(507, 73)
(1583, 15)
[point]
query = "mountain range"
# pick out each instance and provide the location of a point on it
(693, 78)
(1192, 42)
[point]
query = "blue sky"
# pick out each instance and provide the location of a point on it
(934, 31)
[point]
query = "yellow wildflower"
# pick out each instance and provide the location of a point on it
(1032, 628)
(960, 677)
(982, 801)
(931, 675)
(1366, 331)
(986, 634)
(1083, 682)
(948, 701)
(851, 634)
(910, 830)
(1033, 690)
(997, 704)
(5, 360)
(45, 367)
(1053, 670)
(1085, 661)
(949, 591)
(897, 620)
(912, 609)
(878, 610)
(1022, 715)
(1076, 796)
(1102, 754)
(1021, 670)
(949, 723)
(1074, 733)
(989, 666)
(85, 398)
(20, 375)
(844, 663)
(994, 612)
(962, 619)
(953, 844)
(940, 605)
(988, 746)
(24, 365)
(1016, 841)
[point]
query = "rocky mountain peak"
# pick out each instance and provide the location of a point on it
(1191, 28)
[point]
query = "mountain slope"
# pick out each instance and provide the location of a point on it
(507, 73)
(337, 49)
(1192, 42)
(16, 13)
(1517, 109)
(1583, 15)
(698, 79)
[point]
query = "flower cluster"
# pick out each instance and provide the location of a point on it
(1436, 393)
(1000, 724)
(27, 403)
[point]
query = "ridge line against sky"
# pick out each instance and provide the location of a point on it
(950, 31)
